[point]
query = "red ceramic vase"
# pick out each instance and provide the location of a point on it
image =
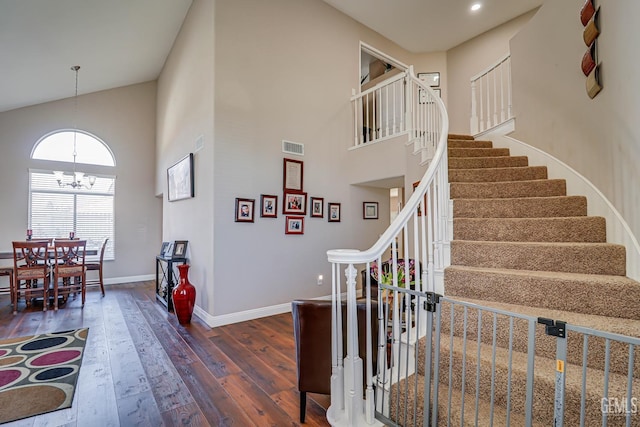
(184, 296)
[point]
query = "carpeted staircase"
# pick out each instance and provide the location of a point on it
(520, 244)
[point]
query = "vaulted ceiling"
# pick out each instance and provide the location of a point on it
(123, 42)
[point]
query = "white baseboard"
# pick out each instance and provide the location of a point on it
(243, 316)
(129, 279)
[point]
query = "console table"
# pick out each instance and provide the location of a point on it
(166, 279)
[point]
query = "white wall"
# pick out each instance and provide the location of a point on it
(185, 114)
(125, 119)
(470, 58)
(598, 138)
(247, 74)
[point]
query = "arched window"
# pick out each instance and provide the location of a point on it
(64, 201)
(59, 146)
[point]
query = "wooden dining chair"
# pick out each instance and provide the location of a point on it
(69, 272)
(97, 266)
(30, 264)
(7, 271)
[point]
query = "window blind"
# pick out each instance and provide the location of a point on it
(55, 211)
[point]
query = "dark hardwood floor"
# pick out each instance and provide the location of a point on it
(141, 367)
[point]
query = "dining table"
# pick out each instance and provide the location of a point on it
(9, 254)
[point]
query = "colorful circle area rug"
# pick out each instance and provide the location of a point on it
(38, 373)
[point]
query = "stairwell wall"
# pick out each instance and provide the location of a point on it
(600, 137)
(246, 75)
(470, 58)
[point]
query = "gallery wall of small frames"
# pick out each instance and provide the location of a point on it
(295, 203)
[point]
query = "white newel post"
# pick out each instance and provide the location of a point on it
(352, 363)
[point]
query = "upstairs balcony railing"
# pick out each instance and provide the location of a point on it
(491, 96)
(423, 227)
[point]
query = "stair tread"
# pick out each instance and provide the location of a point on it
(500, 174)
(545, 367)
(595, 258)
(541, 244)
(595, 279)
(520, 207)
(477, 152)
(540, 229)
(484, 407)
(599, 294)
(508, 189)
(615, 325)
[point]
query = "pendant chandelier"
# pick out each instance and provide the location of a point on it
(79, 180)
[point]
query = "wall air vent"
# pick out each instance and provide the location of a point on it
(292, 147)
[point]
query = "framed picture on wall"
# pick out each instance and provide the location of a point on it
(334, 212)
(292, 175)
(370, 210)
(180, 179)
(294, 202)
(268, 206)
(430, 79)
(294, 225)
(244, 210)
(316, 206)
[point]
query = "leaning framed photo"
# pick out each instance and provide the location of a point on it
(179, 249)
(294, 202)
(268, 206)
(180, 179)
(370, 210)
(168, 251)
(316, 206)
(165, 245)
(334, 212)
(292, 175)
(294, 225)
(244, 210)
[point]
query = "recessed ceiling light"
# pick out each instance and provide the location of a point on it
(475, 7)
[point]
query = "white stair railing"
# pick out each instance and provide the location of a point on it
(491, 96)
(380, 111)
(423, 226)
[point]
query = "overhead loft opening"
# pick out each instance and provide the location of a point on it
(376, 66)
(379, 100)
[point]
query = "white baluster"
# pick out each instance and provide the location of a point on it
(495, 97)
(474, 111)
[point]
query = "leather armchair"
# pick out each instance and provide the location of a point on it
(312, 333)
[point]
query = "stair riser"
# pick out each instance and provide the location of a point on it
(543, 392)
(478, 152)
(545, 344)
(459, 136)
(503, 190)
(487, 162)
(600, 299)
(578, 229)
(449, 413)
(533, 207)
(468, 143)
(528, 173)
(576, 258)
